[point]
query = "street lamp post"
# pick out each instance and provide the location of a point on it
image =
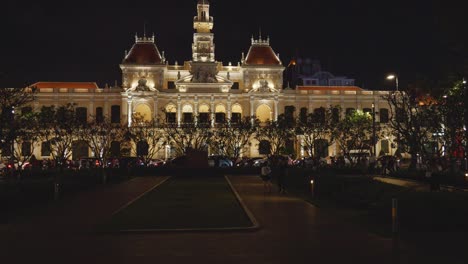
(391, 77)
(373, 130)
(465, 88)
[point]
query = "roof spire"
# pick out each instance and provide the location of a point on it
(144, 29)
(260, 33)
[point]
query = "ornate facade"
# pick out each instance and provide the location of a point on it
(152, 87)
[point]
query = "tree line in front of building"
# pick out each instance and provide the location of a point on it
(423, 126)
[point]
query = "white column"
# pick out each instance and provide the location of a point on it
(212, 110)
(129, 110)
(229, 110)
(195, 109)
(179, 110)
(252, 109)
(155, 107)
(276, 107)
(91, 109)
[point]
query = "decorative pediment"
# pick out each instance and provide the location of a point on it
(263, 87)
(186, 84)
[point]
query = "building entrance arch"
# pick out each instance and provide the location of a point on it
(263, 113)
(143, 111)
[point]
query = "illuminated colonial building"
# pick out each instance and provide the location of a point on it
(203, 87)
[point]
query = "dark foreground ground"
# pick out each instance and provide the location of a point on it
(291, 231)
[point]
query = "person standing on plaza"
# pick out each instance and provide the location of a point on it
(265, 174)
(282, 167)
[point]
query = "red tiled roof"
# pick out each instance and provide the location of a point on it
(86, 85)
(143, 53)
(327, 88)
(261, 55)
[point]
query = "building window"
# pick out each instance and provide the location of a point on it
(289, 113)
(335, 115)
(264, 148)
(142, 148)
(115, 149)
(6, 149)
(26, 149)
(115, 114)
(99, 115)
(187, 117)
(383, 115)
(367, 110)
(170, 117)
(220, 117)
(45, 149)
(236, 118)
(81, 114)
(235, 86)
(350, 111)
(79, 149)
(400, 115)
(303, 115)
(319, 115)
(384, 146)
(321, 148)
(26, 110)
(171, 85)
(204, 118)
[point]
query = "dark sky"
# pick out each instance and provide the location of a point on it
(365, 40)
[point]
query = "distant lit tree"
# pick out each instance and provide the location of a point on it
(452, 108)
(190, 135)
(99, 135)
(59, 127)
(354, 132)
(415, 122)
(316, 127)
(277, 133)
(231, 138)
(12, 100)
(147, 136)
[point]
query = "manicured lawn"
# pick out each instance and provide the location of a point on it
(183, 203)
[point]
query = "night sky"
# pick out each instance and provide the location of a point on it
(365, 40)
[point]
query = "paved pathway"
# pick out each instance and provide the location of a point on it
(292, 231)
(415, 185)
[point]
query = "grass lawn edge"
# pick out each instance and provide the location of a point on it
(255, 225)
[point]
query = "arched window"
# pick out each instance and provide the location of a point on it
(289, 113)
(350, 111)
(319, 115)
(26, 149)
(115, 114)
(26, 110)
(264, 147)
(81, 114)
(187, 114)
(79, 149)
(171, 111)
(303, 115)
(321, 147)
(383, 115)
(335, 115)
(99, 115)
(236, 113)
(115, 149)
(204, 113)
(220, 114)
(45, 149)
(142, 148)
